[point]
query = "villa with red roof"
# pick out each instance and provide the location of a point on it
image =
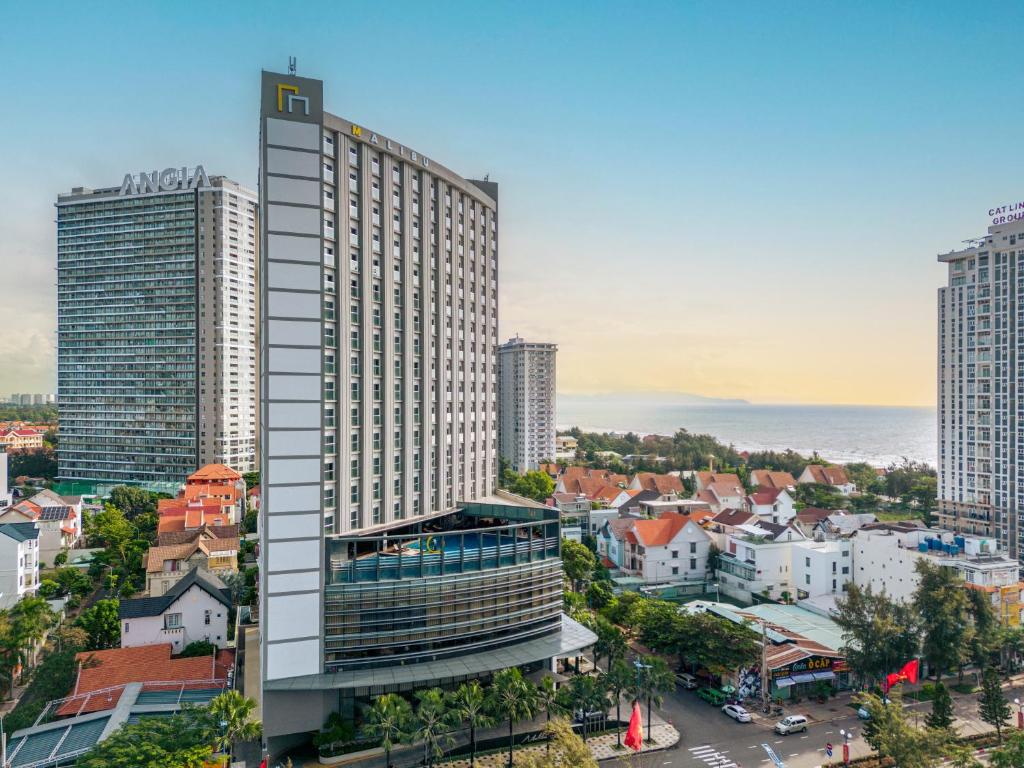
(772, 504)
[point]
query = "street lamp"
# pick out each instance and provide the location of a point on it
(718, 594)
(847, 735)
(1020, 714)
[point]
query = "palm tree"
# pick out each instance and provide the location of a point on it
(653, 678)
(232, 711)
(434, 723)
(586, 693)
(31, 618)
(548, 700)
(388, 720)
(513, 699)
(618, 680)
(469, 703)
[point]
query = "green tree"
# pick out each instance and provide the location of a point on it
(577, 562)
(714, 557)
(879, 633)
(893, 736)
(388, 720)
(944, 607)
(133, 501)
(1010, 754)
(549, 700)
(30, 619)
(180, 741)
(434, 721)
(469, 703)
(653, 678)
(567, 749)
(611, 642)
(941, 716)
(585, 694)
(102, 624)
(512, 699)
(233, 713)
(534, 484)
(599, 594)
(986, 630)
(993, 708)
(198, 648)
(111, 528)
(618, 680)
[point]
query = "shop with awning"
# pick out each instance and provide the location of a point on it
(798, 672)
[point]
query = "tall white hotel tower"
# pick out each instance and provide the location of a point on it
(526, 376)
(980, 370)
(389, 561)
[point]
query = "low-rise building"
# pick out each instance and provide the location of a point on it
(770, 478)
(194, 609)
(565, 447)
(22, 439)
(772, 504)
(670, 548)
(19, 562)
(757, 560)
(166, 565)
(885, 557)
(823, 474)
(5, 492)
(821, 567)
(651, 481)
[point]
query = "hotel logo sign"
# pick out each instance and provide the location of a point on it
(292, 99)
(1004, 214)
(390, 145)
(167, 180)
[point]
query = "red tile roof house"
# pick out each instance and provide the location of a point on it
(772, 479)
(772, 504)
(102, 675)
(828, 475)
(671, 548)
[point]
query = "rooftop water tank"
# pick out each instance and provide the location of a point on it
(922, 546)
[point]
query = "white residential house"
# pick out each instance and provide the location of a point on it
(774, 505)
(822, 567)
(19, 562)
(194, 609)
(758, 560)
(885, 557)
(670, 548)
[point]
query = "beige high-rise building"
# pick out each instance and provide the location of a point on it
(980, 324)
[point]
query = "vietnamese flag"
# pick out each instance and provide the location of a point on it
(910, 670)
(635, 732)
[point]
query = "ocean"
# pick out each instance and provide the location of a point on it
(878, 435)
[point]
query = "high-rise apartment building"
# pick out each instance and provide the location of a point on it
(980, 323)
(156, 327)
(526, 390)
(389, 560)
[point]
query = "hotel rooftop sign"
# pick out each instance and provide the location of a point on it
(167, 180)
(1004, 214)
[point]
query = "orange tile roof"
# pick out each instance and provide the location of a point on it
(226, 494)
(212, 473)
(772, 478)
(652, 481)
(830, 475)
(157, 555)
(105, 669)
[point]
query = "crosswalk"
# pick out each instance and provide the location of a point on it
(712, 757)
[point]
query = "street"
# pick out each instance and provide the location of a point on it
(710, 739)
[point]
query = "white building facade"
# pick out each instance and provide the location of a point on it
(195, 610)
(981, 473)
(19, 562)
(526, 406)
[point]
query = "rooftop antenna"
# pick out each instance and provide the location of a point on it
(291, 65)
(487, 177)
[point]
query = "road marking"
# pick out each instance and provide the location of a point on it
(704, 748)
(805, 737)
(794, 754)
(779, 741)
(829, 733)
(752, 746)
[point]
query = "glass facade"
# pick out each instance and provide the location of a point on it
(414, 598)
(127, 337)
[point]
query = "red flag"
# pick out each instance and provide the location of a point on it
(635, 732)
(909, 671)
(891, 680)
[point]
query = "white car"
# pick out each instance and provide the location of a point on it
(737, 713)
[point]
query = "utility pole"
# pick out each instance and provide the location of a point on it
(765, 682)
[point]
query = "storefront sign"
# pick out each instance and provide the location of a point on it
(804, 666)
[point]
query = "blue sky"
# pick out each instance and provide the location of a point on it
(742, 200)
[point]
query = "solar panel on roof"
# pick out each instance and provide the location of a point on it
(54, 513)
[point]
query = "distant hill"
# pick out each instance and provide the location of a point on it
(649, 398)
